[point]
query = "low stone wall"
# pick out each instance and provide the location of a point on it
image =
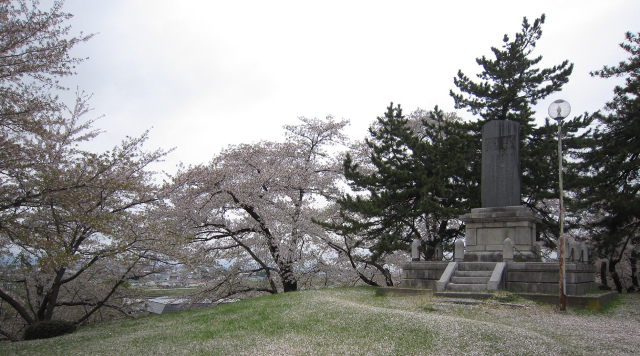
(544, 277)
(423, 274)
(591, 301)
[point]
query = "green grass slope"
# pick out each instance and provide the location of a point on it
(354, 321)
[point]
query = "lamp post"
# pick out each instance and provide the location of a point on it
(559, 110)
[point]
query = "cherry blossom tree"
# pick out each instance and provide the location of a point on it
(74, 225)
(250, 210)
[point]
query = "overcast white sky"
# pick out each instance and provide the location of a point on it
(204, 74)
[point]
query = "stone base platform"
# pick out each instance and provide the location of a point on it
(518, 277)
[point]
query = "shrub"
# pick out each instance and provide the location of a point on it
(48, 328)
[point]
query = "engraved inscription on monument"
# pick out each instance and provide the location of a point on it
(500, 183)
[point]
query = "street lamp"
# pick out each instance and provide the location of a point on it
(559, 110)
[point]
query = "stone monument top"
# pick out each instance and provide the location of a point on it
(500, 184)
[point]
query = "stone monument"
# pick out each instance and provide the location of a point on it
(500, 252)
(501, 216)
(500, 185)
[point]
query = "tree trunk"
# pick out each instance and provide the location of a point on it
(424, 249)
(430, 250)
(51, 298)
(386, 273)
(387, 278)
(614, 274)
(290, 286)
(367, 280)
(289, 281)
(604, 285)
(364, 278)
(24, 313)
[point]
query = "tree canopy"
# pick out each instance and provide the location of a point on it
(74, 225)
(415, 180)
(511, 83)
(252, 206)
(34, 54)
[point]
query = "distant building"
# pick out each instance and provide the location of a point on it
(167, 305)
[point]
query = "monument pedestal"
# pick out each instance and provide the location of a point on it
(488, 228)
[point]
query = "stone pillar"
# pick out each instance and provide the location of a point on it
(415, 252)
(458, 253)
(500, 184)
(507, 250)
(575, 252)
(537, 250)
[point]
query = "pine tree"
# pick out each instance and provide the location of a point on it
(510, 85)
(613, 175)
(417, 182)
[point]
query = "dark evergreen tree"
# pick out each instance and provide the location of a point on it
(509, 86)
(419, 180)
(612, 193)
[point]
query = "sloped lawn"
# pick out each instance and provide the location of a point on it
(354, 321)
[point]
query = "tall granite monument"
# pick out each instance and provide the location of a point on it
(502, 216)
(500, 185)
(500, 252)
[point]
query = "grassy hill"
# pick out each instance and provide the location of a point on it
(355, 321)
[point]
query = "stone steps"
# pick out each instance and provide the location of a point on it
(469, 280)
(471, 277)
(476, 266)
(474, 273)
